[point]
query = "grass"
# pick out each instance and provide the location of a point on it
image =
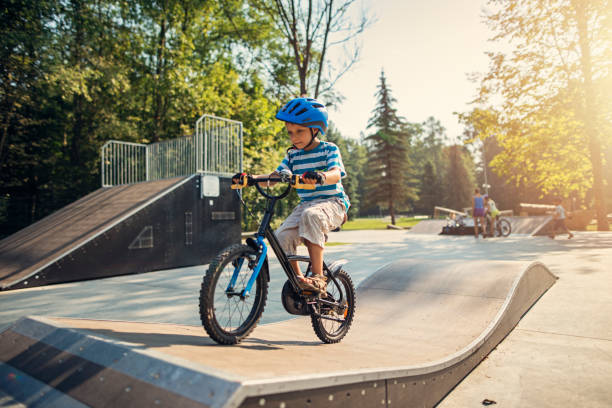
(377, 223)
(336, 243)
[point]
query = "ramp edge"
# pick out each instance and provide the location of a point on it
(534, 280)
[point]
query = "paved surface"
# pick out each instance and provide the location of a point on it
(428, 310)
(560, 353)
(421, 326)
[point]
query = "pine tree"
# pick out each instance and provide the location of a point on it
(428, 190)
(388, 166)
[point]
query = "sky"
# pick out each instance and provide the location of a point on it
(426, 49)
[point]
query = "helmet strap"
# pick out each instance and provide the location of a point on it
(312, 138)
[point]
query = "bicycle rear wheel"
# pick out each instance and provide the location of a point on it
(503, 227)
(343, 294)
(226, 314)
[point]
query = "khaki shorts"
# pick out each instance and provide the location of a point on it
(311, 221)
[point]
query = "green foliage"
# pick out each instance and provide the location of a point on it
(429, 191)
(459, 181)
(77, 73)
(354, 158)
(378, 223)
(553, 84)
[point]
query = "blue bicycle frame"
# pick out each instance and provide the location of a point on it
(260, 246)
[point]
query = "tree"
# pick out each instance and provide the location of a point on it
(459, 178)
(353, 157)
(311, 28)
(429, 193)
(388, 167)
(22, 32)
(530, 159)
(426, 147)
(77, 73)
(562, 52)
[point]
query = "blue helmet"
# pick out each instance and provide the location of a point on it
(306, 112)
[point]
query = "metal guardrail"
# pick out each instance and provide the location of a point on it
(123, 163)
(220, 141)
(216, 149)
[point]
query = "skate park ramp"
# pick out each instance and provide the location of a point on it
(528, 225)
(41, 253)
(420, 327)
(428, 227)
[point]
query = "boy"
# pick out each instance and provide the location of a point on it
(320, 210)
(559, 220)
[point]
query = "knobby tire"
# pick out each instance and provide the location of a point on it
(326, 330)
(215, 281)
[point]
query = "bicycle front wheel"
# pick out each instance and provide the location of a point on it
(334, 322)
(227, 313)
(504, 228)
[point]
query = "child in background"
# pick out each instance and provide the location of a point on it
(559, 220)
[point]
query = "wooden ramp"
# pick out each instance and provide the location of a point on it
(120, 230)
(420, 327)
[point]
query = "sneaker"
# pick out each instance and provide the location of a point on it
(315, 283)
(319, 282)
(304, 283)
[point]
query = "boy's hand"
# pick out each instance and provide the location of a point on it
(238, 177)
(313, 177)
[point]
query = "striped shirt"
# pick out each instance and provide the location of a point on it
(324, 157)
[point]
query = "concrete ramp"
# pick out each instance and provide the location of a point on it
(529, 225)
(429, 227)
(420, 327)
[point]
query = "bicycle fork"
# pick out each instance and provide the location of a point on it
(261, 257)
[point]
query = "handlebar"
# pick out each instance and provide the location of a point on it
(293, 181)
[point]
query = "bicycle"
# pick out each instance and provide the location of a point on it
(502, 226)
(234, 290)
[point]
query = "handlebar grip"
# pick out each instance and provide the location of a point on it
(296, 184)
(243, 185)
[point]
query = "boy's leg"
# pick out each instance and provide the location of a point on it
(289, 238)
(317, 220)
(554, 229)
(316, 257)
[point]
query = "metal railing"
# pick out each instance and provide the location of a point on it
(221, 143)
(123, 163)
(172, 158)
(216, 149)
